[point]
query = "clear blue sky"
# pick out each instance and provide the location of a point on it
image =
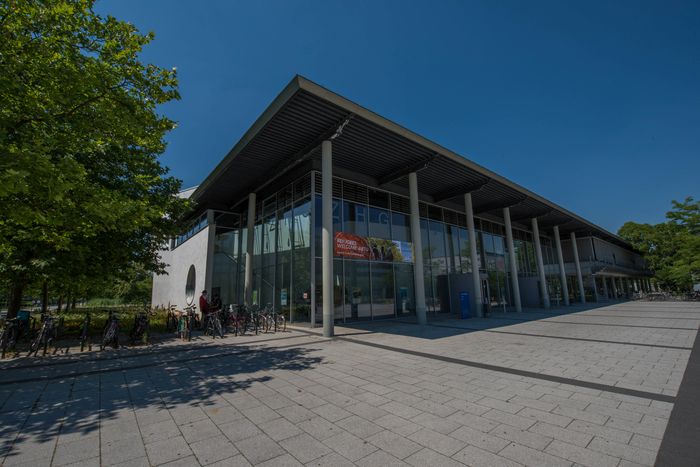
(592, 104)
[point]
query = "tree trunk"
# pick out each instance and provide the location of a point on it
(45, 298)
(68, 301)
(16, 291)
(72, 305)
(60, 303)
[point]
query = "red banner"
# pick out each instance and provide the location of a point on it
(351, 246)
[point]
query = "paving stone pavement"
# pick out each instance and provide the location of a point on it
(555, 388)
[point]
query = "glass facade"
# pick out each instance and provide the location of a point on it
(379, 282)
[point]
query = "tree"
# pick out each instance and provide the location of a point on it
(672, 248)
(83, 196)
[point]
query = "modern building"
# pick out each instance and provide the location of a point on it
(332, 213)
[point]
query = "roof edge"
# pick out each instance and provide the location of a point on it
(364, 112)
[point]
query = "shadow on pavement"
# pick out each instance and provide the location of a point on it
(34, 413)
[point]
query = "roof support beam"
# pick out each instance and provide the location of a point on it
(300, 156)
(499, 204)
(405, 170)
(530, 216)
(460, 191)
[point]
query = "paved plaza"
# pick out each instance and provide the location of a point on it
(581, 386)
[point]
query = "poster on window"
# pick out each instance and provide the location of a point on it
(353, 246)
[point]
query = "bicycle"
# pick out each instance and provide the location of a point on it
(47, 334)
(212, 325)
(186, 323)
(85, 333)
(171, 320)
(9, 336)
(279, 321)
(110, 334)
(140, 328)
(238, 319)
(255, 319)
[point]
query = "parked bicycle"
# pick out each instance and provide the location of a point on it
(186, 323)
(85, 333)
(110, 335)
(10, 335)
(139, 332)
(238, 319)
(212, 325)
(50, 329)
(171, 320)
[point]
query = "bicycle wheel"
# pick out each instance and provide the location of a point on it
(217, 326)
(109, 337)
(34, 345)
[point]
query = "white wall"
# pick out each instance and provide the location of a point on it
(170, 289)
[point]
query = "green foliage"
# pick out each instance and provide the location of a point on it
(83, 196)
(672, 248)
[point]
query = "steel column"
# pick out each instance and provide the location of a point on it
(579, 276)
(513, 262)
(562, 269)
(250, 241)
(540, 263)
(327, 235)
(419, 283)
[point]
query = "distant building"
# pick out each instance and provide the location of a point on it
(412, 226)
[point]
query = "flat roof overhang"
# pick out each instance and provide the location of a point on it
(291, 129)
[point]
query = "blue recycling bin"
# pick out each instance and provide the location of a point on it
(464, 305)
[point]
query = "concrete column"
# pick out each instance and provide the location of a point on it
(579, 277)
(562, 269)
(595, 288)
(614, 287)
(250, 241)
(327, 236)
(419, 283)
(476, 280)
(512, 260)
(605, 287)
(211, 239)
(623, 287)
(540, 263)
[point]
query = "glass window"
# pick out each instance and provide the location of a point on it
(488, 243)
(357, 290)
(301, 262)
(452, 233)
(318, 222)
(338, 289)
(226, 265)
(405, 289)
(498, 245)
(355, 218)
(379, 223)
(267, 277)
(382, 290)
(284, 261)
(438, 251)
(464, 252)
(379, 198)
(400, 227)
